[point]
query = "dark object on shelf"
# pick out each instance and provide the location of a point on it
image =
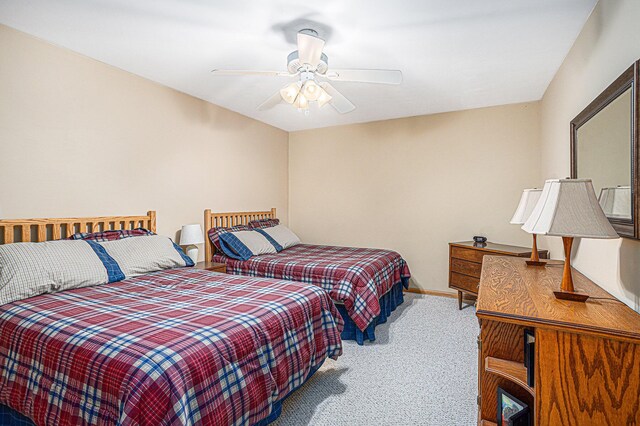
(529, 355)
(512, 411)
(480, 240)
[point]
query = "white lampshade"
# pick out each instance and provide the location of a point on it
(323, 98)
(569, 208)
(528, 201)
(191, 234)
(616, 201)
(290, 92)
(311, 90)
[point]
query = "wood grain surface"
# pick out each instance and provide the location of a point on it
(586, 380)
(46, 229)
(587, 355)
(512, 291)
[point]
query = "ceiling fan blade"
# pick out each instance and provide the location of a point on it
(309, 49)
(366, 76)
(270, 102)
(338, 101)
(249, 72)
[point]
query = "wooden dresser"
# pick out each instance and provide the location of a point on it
(465, 263)
(587, 355)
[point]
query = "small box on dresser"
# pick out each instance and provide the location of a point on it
(465, 263)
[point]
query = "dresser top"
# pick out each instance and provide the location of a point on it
(512, 291)
(496, 248)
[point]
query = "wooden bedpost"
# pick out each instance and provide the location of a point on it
(208, 245)
(152, 220)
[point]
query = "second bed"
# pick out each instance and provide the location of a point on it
(366, 284)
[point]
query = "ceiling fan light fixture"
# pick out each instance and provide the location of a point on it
(323, 97)
(311, 90)
(301, 102)
(290, 93)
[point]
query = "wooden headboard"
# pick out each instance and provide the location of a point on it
(38, 230)
(213, 220)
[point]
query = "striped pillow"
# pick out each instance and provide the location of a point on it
(243, 245)
(263, 223)
(30, 269)
(214, 234)
(139, 256)
(111, 235)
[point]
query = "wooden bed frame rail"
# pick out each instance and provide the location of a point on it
(214, 220)
(47, 229)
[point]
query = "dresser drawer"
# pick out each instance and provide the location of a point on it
(467, 254)
(465, 267)
(464, 282)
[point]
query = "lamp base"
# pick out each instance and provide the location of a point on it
(570, 295)
(535, 258)
(192, 252)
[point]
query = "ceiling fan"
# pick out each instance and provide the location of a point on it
(310, 66)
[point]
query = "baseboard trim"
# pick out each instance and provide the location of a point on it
(438, 293)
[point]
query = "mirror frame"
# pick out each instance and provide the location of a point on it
(628, 79)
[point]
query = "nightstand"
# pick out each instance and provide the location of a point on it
(465, 263)
(212, 266)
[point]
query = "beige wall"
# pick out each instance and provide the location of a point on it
(414, 184)
(78, 137)
(608, 45)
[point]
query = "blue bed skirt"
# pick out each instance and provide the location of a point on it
(388, 303)
(10, 417)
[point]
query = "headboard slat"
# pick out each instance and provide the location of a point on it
(55, 234)
(71, 226)
(226, 220)
(26, 233)
(8, 234)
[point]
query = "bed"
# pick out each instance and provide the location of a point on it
(176, 347)
(365, 284)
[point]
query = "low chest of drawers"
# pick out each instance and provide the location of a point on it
(465, 263)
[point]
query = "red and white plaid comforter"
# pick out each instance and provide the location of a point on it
(357, 277)
(174, 348)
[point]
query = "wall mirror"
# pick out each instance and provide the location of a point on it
(604, 148)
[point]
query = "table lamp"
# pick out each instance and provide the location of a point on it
(528, 201)
(569, 208)
(189, 237)
(616, 202)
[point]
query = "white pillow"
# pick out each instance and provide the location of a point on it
(244, 244)
(141, 255)
(282, 235)
(30, 269)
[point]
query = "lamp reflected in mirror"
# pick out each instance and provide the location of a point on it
(616, 202)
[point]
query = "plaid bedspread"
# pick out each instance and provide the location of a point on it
(178, 347)
(356, 277)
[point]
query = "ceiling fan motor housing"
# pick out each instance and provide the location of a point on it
(294, 65)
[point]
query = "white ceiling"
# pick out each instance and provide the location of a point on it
(454, 54)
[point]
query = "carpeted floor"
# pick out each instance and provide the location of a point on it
(421, 370)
